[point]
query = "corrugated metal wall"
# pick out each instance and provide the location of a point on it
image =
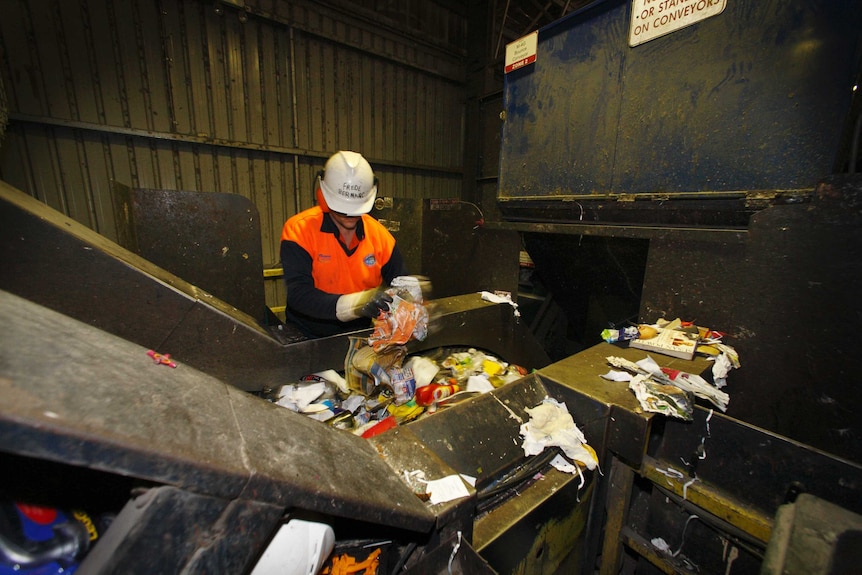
(227, 96)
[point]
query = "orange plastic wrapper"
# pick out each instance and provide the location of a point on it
(399, 325)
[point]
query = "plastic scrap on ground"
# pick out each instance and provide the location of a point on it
(163, 359)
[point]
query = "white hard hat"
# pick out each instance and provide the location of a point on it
(348, 184)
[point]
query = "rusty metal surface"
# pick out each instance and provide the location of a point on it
(727, 104)
(78, 395)
(211, 240)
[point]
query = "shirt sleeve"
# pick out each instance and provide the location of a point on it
(302, 296)
(395, 267)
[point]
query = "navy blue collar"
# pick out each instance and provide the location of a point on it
(329, 227)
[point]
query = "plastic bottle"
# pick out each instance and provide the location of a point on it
(615, 335)
(434, 392)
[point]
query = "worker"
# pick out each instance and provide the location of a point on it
(337, 259)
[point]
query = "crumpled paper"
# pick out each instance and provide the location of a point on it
(299, 397)
(686, 382)
(662, 398)
(501, 297)
(551, 425)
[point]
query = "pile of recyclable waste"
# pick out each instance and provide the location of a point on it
(670, 391)
(396, 391)
(381, 387)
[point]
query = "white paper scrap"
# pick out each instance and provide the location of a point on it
(550, 425)
(298, 398)
(494, 298)
(720, 369)
(479, 383)
(560, 463)
(614, 375)
(649, 364)
(446, 489)
(471, 481)
(333, 376)
(353, 402)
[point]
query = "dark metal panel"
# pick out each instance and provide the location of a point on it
(549, 537)
(403, 217)
(54, 265)
(469, 321)
(753, 98)
(598, 402)
(779, 297)
(211, 240)
(406, 452)
(460, 255)
(136, 542)
(476, 438)
(756, 467)
(207, 535)
(240, 535)
(118, 291)
(79, 395)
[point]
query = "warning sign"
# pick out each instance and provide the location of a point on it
(522, 51)
(654, 18)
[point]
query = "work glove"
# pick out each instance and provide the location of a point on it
(366, 303)
(379, 302)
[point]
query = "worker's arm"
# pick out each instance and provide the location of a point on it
(301, 293)
(395, 267)
(303, 297)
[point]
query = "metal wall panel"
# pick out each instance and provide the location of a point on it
(752, 99)
(201, 96)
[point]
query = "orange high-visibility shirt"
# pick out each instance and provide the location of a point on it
(334, 269)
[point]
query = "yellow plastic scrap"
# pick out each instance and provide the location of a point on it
(490, 367)
(406, 412)
(347, 565)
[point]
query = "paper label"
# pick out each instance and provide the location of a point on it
(653, 18)
(522, 51)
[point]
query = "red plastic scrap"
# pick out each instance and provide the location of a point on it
(164, 359)
(381, 426)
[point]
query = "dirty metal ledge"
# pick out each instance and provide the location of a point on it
(732, 235)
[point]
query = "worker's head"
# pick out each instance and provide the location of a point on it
(348, 184)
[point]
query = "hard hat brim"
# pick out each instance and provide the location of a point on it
(348, 208)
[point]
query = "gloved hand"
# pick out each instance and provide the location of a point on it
(379, 302)
(366, 303)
